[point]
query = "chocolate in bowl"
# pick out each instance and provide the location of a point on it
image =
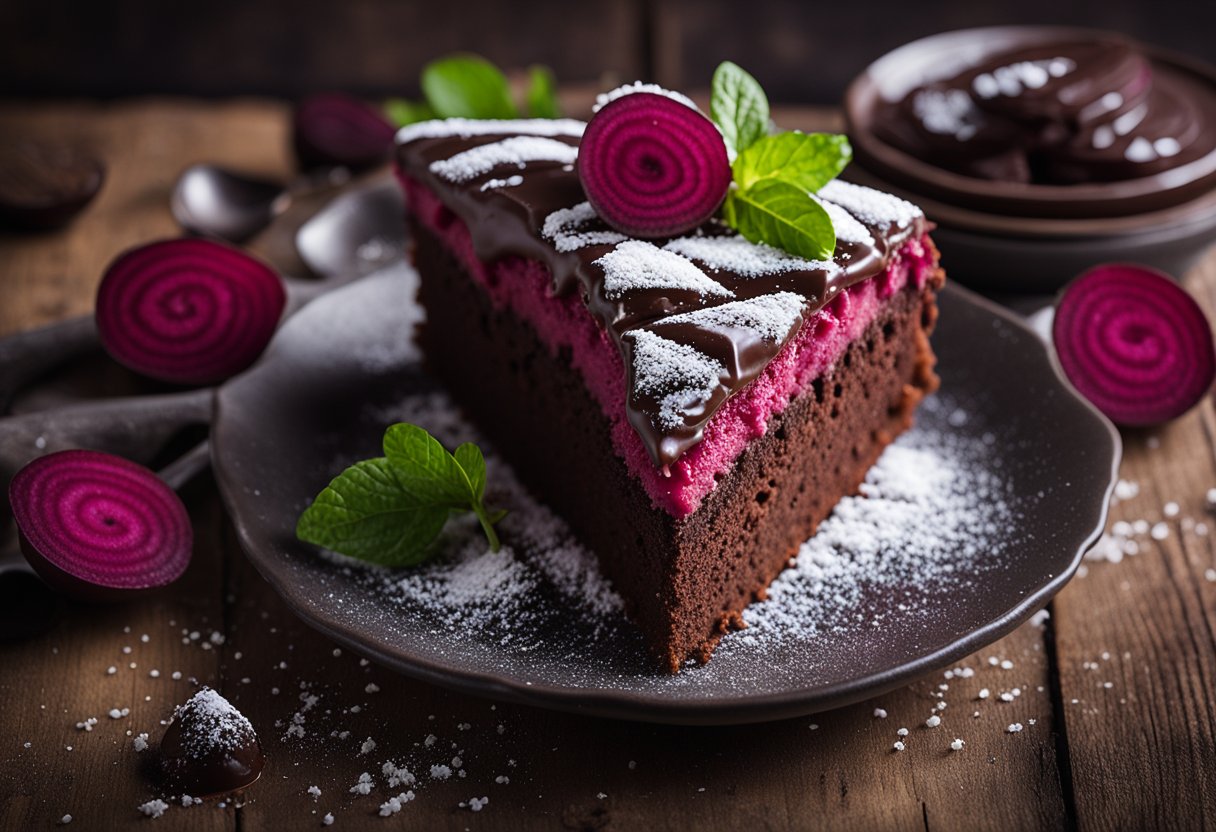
(1025, 235)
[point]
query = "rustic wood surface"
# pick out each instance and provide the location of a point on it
(1116, 687)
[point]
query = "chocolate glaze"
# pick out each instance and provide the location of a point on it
(205, 752)
(509, 221)
(1057, 113)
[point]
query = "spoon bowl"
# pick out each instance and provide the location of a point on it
(214, 202)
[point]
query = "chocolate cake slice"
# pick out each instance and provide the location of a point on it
(693, 407)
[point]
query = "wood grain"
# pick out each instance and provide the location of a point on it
(1137, 639)
(1144, 763)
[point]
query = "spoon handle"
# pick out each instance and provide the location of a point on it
(29, 354)
(186, 467)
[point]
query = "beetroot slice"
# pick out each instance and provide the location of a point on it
(98, 527)
(335, 129)
(1134, 343)
(188, 311)
(652, 166)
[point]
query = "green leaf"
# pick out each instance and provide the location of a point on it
(467, 86)
(425, 469)
(401, 111)
(471, 460)
(738, 106)
(782, 215)
(807, 160)
(542, 93)
(366, 514)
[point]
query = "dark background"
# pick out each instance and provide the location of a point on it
(800, 51)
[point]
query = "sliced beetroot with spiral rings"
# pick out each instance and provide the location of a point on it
(98, 527)
(188, 311)
(1134, 343)
(652, 166)
(335, 129)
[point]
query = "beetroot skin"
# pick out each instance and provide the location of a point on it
(652, 166)
(98, 527)
(1134, 343)
(188, 311)
(334, 129)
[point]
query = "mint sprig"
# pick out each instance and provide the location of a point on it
(469, 86)
(775, 177)
(739, 107)
(389, 510)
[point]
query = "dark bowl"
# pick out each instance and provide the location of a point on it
(1010, 236)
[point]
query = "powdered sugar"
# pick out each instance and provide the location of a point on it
(874, 208)
(564, 228)
(676, 374)
(209, 723)
(605, 98)
(635, 264)
(517, 150)
(745, 258)
(768, 316)
(465, 128)
(933, 522)
(846, 226)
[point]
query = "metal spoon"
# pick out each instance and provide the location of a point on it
(216, 202)
(28, 607)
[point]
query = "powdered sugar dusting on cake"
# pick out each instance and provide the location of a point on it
(517, 150)
(769, 316)
(210, 724)
(635, 264)
(743, 257)
(675, 374)
(465, 128)
(509, 182)
(846, 226)
(605, 98)
(564, 229)
(875, 208)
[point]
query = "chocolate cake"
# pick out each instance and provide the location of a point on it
(693, 407)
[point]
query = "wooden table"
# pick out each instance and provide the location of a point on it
(1116, 687)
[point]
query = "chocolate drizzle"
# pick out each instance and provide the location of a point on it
(696, 318)
(1056, 113)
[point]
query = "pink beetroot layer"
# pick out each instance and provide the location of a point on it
(525, 288)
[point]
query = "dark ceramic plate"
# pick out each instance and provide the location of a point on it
(345, 366)
(1011, 237)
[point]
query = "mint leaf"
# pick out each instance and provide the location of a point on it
(783, 215)
(401, 111)
(469, 457)
(807, 160)
(389, 510)
(366, 514)
(425, 469)
(542, 93)
(467, 86)
(738, 106)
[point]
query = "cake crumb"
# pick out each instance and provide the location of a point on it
(140, 742)
(957, 745)
(1014, 727)
(66, 819)
(898, 746)
(879, 713)
(328, 820)
(933, 721)
(315, 791)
